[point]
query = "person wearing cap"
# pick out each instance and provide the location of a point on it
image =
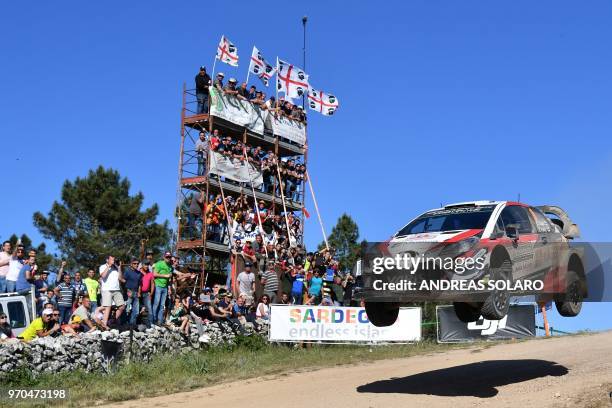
(133, 279)
(200, 312)
(230, 88)
(162, 272)
(246, 283)
(202, 81)
(41, 327)
(218, 82)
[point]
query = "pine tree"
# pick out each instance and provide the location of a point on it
(97, 216)
(344, 238)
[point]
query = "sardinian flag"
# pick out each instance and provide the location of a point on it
(260, 67)
(290, 79)
(227, 52)
(324, 103)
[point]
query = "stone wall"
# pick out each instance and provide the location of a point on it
(90, 352)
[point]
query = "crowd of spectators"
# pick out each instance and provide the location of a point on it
(145, 292)
(292, 173)
(240, 217)
(244, 92)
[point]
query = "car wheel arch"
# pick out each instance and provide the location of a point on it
(575, 264)
(498, 256)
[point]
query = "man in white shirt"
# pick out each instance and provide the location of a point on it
(110, 276)
(15, 265)
(5, 259)
(246, 283)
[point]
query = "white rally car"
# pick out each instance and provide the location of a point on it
(515, 242)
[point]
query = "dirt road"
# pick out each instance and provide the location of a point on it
(558, 372)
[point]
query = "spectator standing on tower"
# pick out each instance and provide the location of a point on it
(202, 81)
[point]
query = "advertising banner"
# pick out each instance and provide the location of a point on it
(237, 111)
(340, 324)
(235, 169)
(518, 323)
(287, 128)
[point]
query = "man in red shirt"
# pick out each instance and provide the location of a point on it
(248, 252)
(146, 289)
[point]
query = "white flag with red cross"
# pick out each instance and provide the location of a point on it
(227, 52)
(322, 102)
(290, 79)
(260, 67)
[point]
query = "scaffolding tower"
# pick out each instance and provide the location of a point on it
(210, 259)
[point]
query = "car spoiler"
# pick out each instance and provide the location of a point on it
(568, 228)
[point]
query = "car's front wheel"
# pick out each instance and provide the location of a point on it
(382, 314)
(497, 303)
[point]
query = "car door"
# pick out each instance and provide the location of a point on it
(522, 249)
(545, 245)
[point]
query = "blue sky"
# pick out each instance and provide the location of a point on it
(440, 102)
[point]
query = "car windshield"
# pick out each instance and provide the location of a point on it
(449, 219)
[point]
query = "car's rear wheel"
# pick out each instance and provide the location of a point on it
(466, 312)
(569, 304)
(382, 314)
(498, 302)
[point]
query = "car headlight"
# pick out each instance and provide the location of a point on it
(458, 248)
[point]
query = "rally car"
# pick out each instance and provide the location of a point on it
(512, 242)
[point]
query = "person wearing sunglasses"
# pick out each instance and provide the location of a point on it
(43, 326)
(6, 332)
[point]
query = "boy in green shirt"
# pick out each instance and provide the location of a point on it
(92, 288)
(162, 271)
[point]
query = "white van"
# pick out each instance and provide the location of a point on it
(16, 309)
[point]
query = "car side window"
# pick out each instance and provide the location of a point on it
(541, 221)
(519, 216)
(16, 314)
(499, 226)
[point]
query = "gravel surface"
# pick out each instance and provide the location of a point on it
(571, 371)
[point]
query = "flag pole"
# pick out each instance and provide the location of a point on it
(304, 21)
(314, 200)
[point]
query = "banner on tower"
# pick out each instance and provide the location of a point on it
(282, 126)
(235, 169)
(237, 111)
